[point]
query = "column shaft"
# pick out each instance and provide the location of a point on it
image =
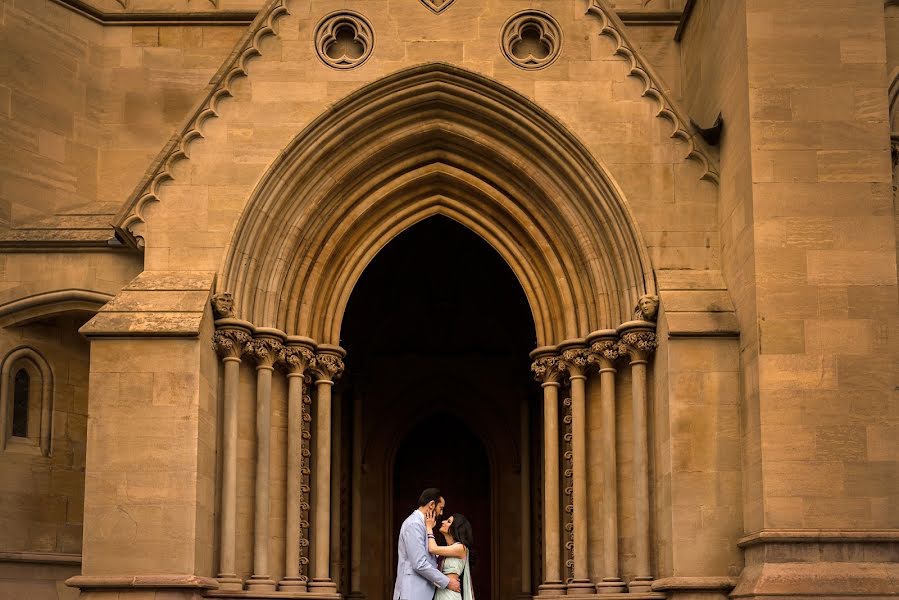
(641, 478)
(336, 466)
(356, 543)
(552, 576)
(581, 582)
(611, 582)
(321, 533)
(228, 573)
(292, 581)
(261, 580)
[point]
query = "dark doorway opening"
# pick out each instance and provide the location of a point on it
(463, 476)
(437, 333)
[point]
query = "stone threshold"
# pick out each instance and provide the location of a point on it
(261, 595)
(598, 596)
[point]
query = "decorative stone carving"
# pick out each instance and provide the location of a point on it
(297, 359)
(344, 40)
(230, 342)
(129, 220)
(568, 482)
(305, 487)
(531, 39)
(437, 6)
(647, 308)
(608, 349)
(223, 305)
(575, 360)
(643, 341)
(546, 369)
(265, 351)
(328, 366)
(894, 148)
(613, 27)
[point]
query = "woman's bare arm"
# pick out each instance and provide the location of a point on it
(457, 550)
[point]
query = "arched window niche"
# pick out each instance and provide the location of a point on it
(26, 402)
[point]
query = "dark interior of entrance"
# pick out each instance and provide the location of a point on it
(437, 333)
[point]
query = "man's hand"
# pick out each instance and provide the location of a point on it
(454, 585)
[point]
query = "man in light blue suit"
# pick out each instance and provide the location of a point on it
(417, 575)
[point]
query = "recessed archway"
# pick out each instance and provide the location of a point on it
(436, 140)
(439, 328)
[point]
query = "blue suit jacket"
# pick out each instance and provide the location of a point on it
(416, 569)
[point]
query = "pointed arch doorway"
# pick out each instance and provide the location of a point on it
(439, 330)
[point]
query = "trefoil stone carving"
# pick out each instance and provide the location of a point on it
(532, 39)
(437, 6)
(344, 40)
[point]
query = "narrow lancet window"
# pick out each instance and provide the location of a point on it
(21, 395)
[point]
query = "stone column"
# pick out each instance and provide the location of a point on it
(525, 501)
(297, 357)
(546, 370)
(328, 366)
(230, 342)
(604, 350)
(356, 495)
(575, 361)
(336, 469)
(266, 348)
(639, 339)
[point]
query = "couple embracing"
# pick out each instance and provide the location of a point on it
(417, 572)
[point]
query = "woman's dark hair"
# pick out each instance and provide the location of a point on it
(461, 531)
(429, 495)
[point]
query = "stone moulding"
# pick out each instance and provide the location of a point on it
(128, 16)
(653, 87)
(41, 558)
(129, 218)
(819, 536)
(88, 582)
(436, 6)
(44, 304)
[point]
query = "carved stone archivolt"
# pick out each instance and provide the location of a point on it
(344, 40)
(532, 39)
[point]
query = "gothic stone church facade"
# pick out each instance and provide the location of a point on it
(618, 277)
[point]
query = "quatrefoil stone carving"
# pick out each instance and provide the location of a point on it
(344, 39)
(437, 6)
(532, 39)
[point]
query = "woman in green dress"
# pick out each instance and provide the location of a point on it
(456, 554)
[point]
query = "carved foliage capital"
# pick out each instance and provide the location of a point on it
(644, 342)
(546, 369)
(328, 366)
(575, 361)
(230, 343)
(265, 351)
(610, 349)
(297, 359)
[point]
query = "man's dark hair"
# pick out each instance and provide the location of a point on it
(429, 495)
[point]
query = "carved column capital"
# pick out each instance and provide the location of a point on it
(639, 344)
(230, 342)
(574, 358)
(297, 359)
(328, 363)
(546, 368)
(266, 351)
